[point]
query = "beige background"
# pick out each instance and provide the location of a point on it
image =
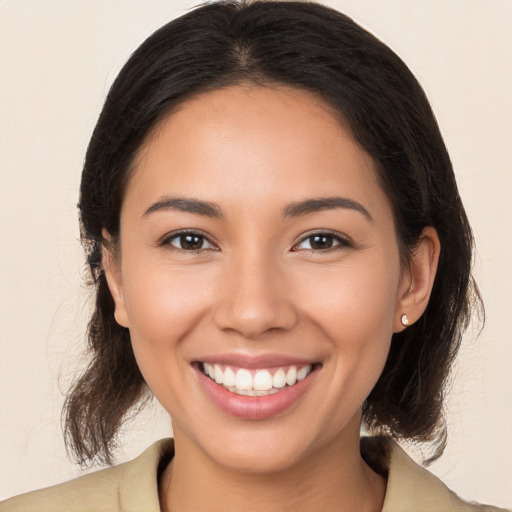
(57, 60)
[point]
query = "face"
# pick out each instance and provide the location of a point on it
(259, 274)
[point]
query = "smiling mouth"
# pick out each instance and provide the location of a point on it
(260, 382)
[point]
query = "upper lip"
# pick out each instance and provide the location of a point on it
(255, 361)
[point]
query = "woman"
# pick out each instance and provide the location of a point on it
(279, 253)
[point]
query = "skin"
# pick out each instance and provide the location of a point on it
(256, 287)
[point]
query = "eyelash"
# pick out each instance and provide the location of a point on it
(341, 241)
(167, 241)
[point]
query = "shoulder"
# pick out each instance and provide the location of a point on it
(94, 491)
(412, 487)
(131, 486)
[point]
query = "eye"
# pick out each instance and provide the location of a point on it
(188, 241)
(321, 242)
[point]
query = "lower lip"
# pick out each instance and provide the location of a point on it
(254, 407)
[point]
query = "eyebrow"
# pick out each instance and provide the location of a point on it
(189, 205)
(297, 209)
(324, 203)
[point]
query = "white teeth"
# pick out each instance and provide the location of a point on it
(209, 370)
(243, 379)
(291, 376)
(263, 380)
(218, 374)
(263, 383)
(229, 377)
(252, 392)
(304, 372)
(279, 379)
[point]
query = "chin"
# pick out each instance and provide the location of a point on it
(260, 449)
(260, 458)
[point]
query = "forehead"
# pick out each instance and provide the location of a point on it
(254, 143)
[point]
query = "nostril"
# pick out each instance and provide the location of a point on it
(253, 319)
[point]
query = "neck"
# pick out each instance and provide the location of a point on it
(333, 478)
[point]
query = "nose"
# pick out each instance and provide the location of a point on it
(254, 298)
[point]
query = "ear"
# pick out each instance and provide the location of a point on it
(112, 268)
(418, 279)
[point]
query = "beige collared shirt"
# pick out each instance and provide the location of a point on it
(133, 487)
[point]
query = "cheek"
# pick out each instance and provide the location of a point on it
(159, 296)
(163, 305)
(354, 306)
(352, 301)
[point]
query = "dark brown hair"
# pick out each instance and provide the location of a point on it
(311, 47)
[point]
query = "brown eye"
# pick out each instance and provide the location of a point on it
(188, 242)
(191, 242)
(322, 242)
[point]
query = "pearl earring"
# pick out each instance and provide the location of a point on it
(404, 320)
